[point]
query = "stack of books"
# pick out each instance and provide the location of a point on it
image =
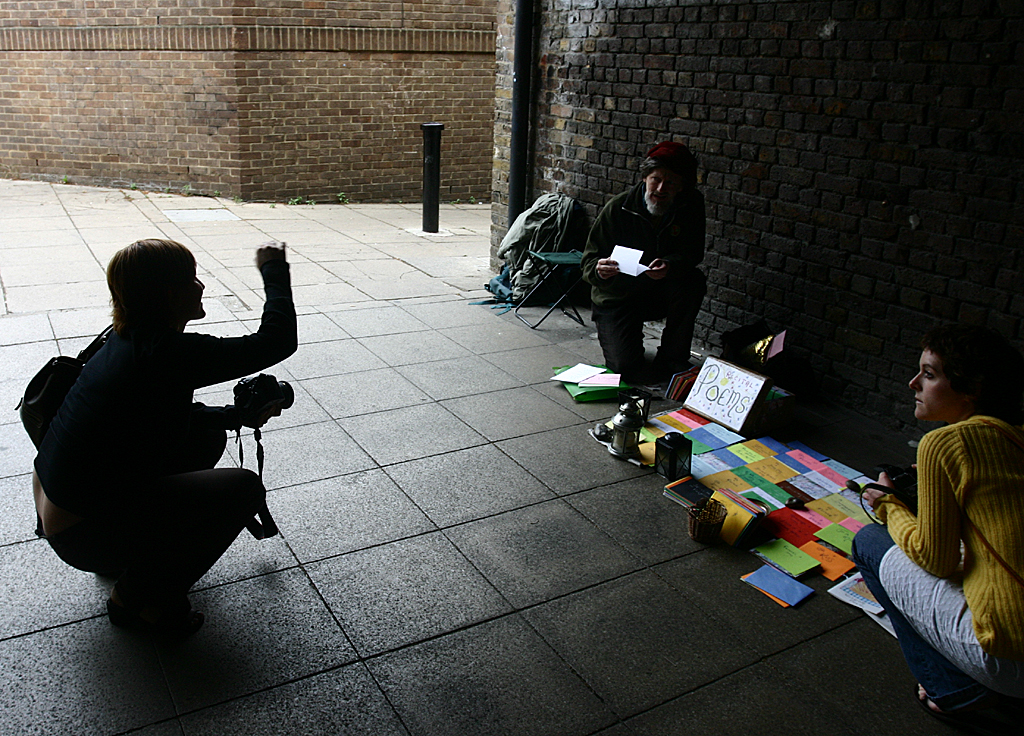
(680, 384)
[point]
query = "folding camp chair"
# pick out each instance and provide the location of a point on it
(567, 264)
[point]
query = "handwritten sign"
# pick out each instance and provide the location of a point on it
(727, 393)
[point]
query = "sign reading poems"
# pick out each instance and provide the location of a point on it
(726, 393)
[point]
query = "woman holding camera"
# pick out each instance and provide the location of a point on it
(959, 618)
(124, 481)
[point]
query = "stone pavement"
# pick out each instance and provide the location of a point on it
(457, 555)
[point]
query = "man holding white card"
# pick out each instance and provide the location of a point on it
(641, 262)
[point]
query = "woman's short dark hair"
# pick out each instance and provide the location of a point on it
(980, 362)
(141, 278)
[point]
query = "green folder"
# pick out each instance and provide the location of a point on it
(591, 393)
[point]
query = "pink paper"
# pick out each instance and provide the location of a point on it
(815, 518)
(804, 459)
(683, 419)
(778, 342)
(602, 379)
(832, 476)
(852, 524)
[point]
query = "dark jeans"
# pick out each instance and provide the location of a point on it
(620, 328)
(947, 686)
(173, 530)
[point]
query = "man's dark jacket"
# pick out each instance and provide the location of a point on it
(678, 239)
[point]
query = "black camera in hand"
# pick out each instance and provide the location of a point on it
(257, 395)
(904, 481)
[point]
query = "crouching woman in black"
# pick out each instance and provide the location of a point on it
(124, 481)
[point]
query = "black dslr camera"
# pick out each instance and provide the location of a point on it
(255, 395)
(905, 482)
(253, 398)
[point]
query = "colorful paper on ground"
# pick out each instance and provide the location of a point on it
(769, 580)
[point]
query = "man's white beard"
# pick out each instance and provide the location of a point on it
(656, 208)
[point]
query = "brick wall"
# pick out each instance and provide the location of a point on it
(265, 100)
(861, 160)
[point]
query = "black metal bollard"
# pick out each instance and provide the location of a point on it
(431, 174)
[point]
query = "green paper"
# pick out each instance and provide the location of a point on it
(590, 393)
(787, 556)
(765, 485)
(698, 448)
(838, 536)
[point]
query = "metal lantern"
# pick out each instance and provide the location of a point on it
(626, 426)
(641, 398)
(672, 454)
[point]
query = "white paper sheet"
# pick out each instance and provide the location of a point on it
(628, 260)
(577, 373)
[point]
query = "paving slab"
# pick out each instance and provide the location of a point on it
(407, 591)
(495, 679)
(541, 552)
(468, 484)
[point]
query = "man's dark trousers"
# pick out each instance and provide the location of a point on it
(620, 327)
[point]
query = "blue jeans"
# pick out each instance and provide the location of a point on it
(947, 686)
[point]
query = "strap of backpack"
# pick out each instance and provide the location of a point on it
(94, 347)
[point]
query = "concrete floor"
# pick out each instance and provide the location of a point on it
(457, 555)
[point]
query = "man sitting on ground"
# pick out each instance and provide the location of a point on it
(663, 216)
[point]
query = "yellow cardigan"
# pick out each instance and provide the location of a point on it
(970, 467)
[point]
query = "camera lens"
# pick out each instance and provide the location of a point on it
(288, 393)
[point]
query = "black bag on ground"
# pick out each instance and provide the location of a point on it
(46, 391)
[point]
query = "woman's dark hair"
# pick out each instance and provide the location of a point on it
(981, 363)
(141, 278)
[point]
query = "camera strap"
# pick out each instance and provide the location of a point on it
(268, 527)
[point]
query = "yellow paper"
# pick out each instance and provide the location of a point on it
(848, 507)
(760, 448)
(773, 470)
(647, 453)
(726, 479)
(650, 433)
(674, 423)
(736, 520)
(745, 454)
(824, 508)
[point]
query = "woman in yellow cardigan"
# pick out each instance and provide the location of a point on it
(959, 616)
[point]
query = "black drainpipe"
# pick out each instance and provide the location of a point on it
(522, 71)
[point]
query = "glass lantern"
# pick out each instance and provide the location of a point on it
(626, 426)
(672, 455)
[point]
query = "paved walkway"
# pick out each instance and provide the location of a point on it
(457, 556)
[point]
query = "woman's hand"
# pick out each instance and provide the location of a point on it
(658, 269)
(606, 268)
(270, 251)
(873, 496)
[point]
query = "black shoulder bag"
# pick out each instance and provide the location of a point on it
(46, 391)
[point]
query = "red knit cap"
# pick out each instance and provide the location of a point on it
(676, 157)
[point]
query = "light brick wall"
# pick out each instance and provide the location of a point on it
(861, 161)
(265, 100)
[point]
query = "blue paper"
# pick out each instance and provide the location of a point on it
(844, 470)
(706, 437)
(789, 462)
(729, 458)
(779, 584)
(773, 444)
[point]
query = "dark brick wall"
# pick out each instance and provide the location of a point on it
(266, 100)
(861, 160)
